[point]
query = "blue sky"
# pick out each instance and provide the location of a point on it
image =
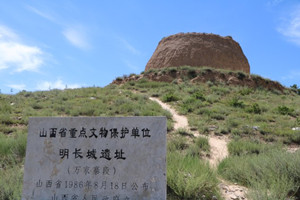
(58, 43)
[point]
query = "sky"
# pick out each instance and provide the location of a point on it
(62, 44)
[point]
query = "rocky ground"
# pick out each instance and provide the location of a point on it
(204, 75)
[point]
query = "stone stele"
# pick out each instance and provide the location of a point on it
(95, 158)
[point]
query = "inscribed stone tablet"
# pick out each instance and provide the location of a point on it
(95, 158)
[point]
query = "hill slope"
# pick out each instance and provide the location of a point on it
(259, 121)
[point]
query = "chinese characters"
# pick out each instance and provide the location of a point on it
(92, 132)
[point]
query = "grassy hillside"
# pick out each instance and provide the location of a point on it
(266, 114)
(259, 122)
(16, 109)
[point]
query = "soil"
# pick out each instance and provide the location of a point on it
(227, 78)
(199, 49)
(180, 121)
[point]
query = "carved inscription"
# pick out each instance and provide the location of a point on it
(95, 158)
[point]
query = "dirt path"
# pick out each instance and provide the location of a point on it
(218, 152)
(218, 149)
(180, 121)
(218, 144)
(293, 149)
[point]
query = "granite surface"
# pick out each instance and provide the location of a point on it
(95, 158)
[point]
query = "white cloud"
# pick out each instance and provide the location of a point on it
(128, 46)
(77, 37)
(133, 67)
(6, 33)
(59, 84)
(16, 55)
(290, 26)
(274, 2)
(40, 13)
(293, 75)
(17, 86)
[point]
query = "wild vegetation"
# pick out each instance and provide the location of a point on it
(189, 176)
(268, 170)
(240, 111)
(16, 109)
(261, 124)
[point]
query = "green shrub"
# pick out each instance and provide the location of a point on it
(199, 96)
(294, 86)
(119, 79)
(295, 137)
(12, 153)
(242, 147)
(271, 175)
(284, 110)
(194, 151)
(169, 97)
(217, 116)
(6, 119)
(296, 89)
(190, 178)
(173, 70)
(220, 90)
(235, 102)
(199, 148)
(178, 143)
(241, 75)
(37, 106)
(232, 123)
(202, 143)
(5, 108)
(183, 132)
(246, 91)
(254, 108)
(192, 73)
(13, 145)
(186, 108)
(11, 183)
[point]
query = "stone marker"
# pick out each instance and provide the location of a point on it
(95, 158)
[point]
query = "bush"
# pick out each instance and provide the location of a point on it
(169, 97)
(190, 178)
(254, 108)
(232, 123)
(202, 143)
(183, 132)
(11, 183)
(296, 89)
(199, 96)
(235, 102)
(239, 147)
(199, 148)
(37, 106)
(12, 153)
(271, 175)
(6, 119)
(284, 110)
(246, 91)
(241, 75)
(178, 143)
(119, 79)
(5, 108)
(295, 137)
(192, 73)
(13, 146)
